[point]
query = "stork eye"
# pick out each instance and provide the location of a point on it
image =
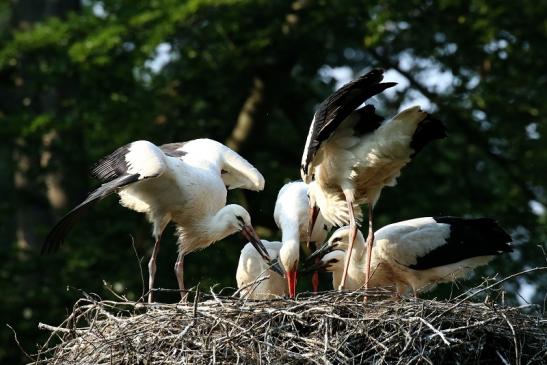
(240, 219)
(337, 239)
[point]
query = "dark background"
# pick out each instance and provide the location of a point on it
(80, 78)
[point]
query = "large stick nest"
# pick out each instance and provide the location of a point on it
(331, 327)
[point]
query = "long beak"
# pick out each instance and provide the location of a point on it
(322, 251)
(249, 233)
(291, 281)
(314, 267)
(276, 267)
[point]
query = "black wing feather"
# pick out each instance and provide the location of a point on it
(368, 120)
(112, 166)
(57, 235)
(337, 107)
(468, 238)
(427, 131)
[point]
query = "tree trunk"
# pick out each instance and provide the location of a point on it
(37, 186)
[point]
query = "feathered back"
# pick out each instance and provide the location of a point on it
(335, 109)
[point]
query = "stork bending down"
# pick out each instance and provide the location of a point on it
(291, 216)
(255, 278)
(180, 182)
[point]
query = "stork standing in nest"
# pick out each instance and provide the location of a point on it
(291, 216)
(351, 154)
(416, 254)
(180, 182)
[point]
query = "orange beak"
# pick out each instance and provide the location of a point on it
(291, 280)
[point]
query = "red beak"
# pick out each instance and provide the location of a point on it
(291, 280)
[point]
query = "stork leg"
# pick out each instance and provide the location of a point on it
(179, 272)
(352, 235)
(152, 268)
(370, 241)
(313, 212)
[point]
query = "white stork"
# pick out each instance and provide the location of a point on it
(255, 278)
(351, 154)
(291, 216)
(180, 182)
(417, 253)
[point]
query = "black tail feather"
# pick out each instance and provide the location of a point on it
(428, 130)
(468, 238)
(57, 235)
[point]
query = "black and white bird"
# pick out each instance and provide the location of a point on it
(418, 253)
(351, 154)
(291, 216)
(255, 278)
(180, 182)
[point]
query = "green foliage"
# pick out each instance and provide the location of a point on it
(93, 76)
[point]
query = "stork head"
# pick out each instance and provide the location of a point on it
(234, 218)
(331, 262)
(340, 241)
(289, 255)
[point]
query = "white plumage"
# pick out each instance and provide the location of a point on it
(418, 253)
(180, 182)
(255, 279)
(350, 155)
(291, 216)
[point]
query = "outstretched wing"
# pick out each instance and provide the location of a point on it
(57, 235)
(237, 172)
(128, 164)
(337, 107)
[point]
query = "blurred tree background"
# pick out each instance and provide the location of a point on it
(79, 78)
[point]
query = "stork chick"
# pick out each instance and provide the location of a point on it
(418, 253)
(291, 216)
(255, 278)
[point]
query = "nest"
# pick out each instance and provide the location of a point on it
(332, 327)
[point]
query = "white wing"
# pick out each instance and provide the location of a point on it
(405, 242)
(235, 171)
(238, 173)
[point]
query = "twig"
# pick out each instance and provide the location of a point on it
(139, 260)
(18, 343)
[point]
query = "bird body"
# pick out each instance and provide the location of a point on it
(173, 196)
(180, 182)
(252, 268)
(424, 251)
(351, 154)
(291, 216)
(419, 253)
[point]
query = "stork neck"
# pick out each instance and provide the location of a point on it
(219, 226)
(358, 249)
(289, 254)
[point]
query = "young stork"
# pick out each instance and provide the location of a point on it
(351, 154)
(417, 253)
(291, 217)
(252, 268)
(180, 182)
